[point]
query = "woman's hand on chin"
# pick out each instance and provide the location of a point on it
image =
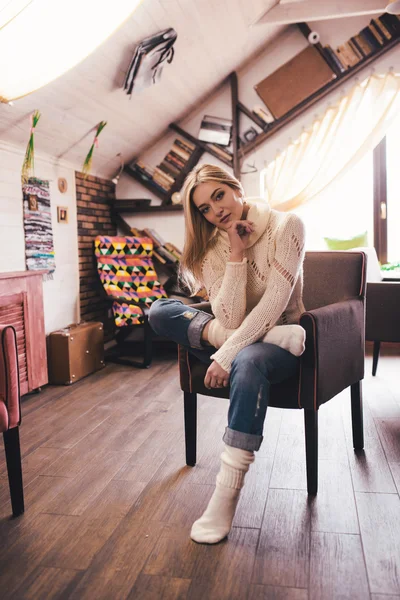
(216, 376)
(238, 234)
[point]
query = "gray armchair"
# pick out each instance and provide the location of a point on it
(334, 292)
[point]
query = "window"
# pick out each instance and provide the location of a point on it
(393, 192)
(342, 211)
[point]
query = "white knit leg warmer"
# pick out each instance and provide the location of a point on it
(289, 337)
(215, 523)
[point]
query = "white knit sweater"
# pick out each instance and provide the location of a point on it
(265, 289)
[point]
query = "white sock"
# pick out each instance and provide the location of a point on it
(215, 523)
(289, 337)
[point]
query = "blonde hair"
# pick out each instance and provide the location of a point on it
(199, 233)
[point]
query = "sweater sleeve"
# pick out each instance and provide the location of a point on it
(286, 268)
(226, 288)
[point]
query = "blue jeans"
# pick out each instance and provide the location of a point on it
(253, 370)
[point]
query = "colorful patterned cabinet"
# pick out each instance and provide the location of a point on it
(21, 305)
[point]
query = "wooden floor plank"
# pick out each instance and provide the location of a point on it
(270, 592)
(337, 568)
(116, 567)
(379, 516)
(127, 530)
(154, 587)
(46, 583)
(282, 557)
(84, 489)
(395, 470)
(333, 509)
(231, 578)
(76, 548)
(389, 432)
(23, 552)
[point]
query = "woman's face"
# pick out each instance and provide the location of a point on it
(218, 203)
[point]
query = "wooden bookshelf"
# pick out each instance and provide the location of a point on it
(147, 183)
(240, 150)
(334, 84)
(149, 209)
(199, 143)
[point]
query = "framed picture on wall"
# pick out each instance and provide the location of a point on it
(62, 214)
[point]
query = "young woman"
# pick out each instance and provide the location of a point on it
(249, 258)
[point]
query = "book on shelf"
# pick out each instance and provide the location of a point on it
(381, 27)
(334, 60)
(355, 49)
(169, 257)
(137, 232)
(391, 22)
(264, 114)
(370, 39)
(173, 249)
(221, 152)
(168, 168)
(362, 44)
(215, 130)
(160, 258)
(347, 55)
(156, 237)
(377, 33)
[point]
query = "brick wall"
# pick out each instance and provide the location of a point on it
(94, 196)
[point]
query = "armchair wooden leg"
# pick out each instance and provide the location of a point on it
(190, 413)
(357, 416)
(14, 468)
(311, 431)
(148, 343)
(375, 357)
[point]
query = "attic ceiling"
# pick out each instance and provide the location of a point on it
(214, 38)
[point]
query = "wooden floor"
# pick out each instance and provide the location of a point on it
(110, 502)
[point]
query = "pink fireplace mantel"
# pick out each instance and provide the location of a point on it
(21, 305)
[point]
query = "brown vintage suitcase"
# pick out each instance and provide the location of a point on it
(75, 351)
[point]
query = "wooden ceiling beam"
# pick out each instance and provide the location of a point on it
(315, 10)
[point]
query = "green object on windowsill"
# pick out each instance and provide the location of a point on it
(391, 267)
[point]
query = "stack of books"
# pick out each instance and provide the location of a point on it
(172, 164)
(377, 34)
(163, 176)
(165, 252)
(222, 152)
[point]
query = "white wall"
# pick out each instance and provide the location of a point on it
(291, 42)
(60, 294)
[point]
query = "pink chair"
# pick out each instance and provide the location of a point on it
(10, 414)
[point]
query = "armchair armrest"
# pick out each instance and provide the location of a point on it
(9, 375)
(334, 355)
(382, 311)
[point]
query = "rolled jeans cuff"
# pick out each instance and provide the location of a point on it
(244, 441)
(196, 327)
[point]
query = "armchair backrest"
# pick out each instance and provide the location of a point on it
(10, 411)
(126, 270)
(333, 276)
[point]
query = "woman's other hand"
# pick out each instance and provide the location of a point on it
(216, 376)
(238, 234)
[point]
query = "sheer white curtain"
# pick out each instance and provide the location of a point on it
(333, 144)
